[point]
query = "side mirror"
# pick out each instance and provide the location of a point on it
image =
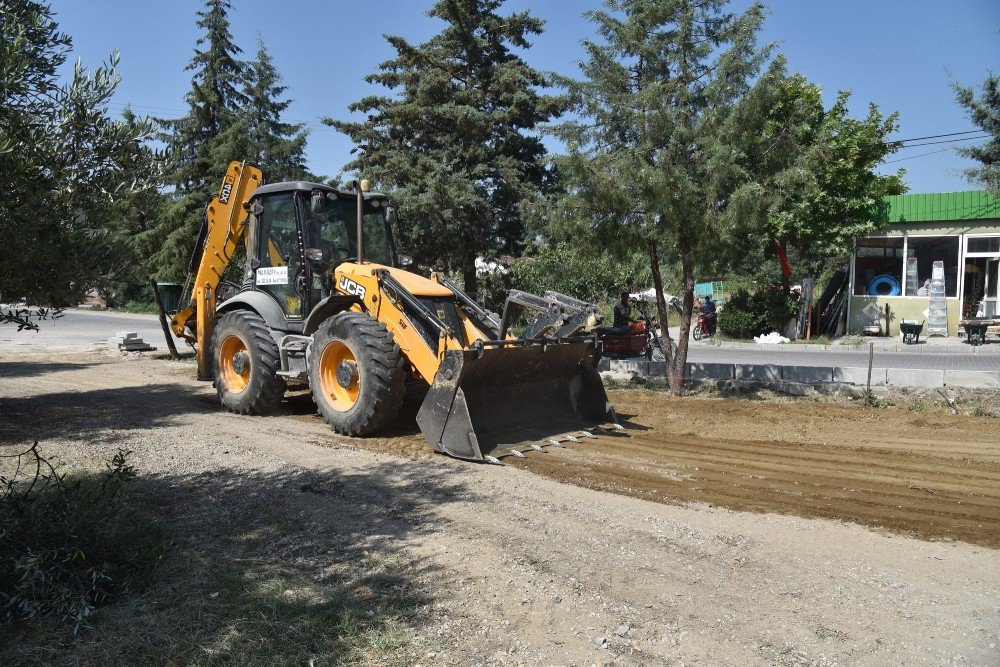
(391, 216)
(317, 202)
(405, 260)
(258, 208)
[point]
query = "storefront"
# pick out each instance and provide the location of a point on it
(893, 268)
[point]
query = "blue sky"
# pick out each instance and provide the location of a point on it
(900, 55)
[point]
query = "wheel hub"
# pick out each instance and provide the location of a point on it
(347, 373)
(240, 362)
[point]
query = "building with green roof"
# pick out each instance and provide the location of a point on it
(894, 267)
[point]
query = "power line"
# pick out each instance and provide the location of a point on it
(913, 157)
(934, 136)
(948, 141)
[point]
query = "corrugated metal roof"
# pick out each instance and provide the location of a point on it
(943, 206)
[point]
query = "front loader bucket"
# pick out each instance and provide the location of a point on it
(484, 399)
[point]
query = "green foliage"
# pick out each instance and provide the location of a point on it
(198, 144)
(871, 400)
(743, 316)
(235, 112)
(693, 142)
(748, 314)
(592, 277)
(806, 175)
(70, 171)
(68, 546)
(984, 111)
(141, 307)
(649, 165)
(259, 134)
(454, 145)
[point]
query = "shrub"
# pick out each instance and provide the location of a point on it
(742, 316)
(68, 546)
(141, 307)
(748, 314)
(593, 278)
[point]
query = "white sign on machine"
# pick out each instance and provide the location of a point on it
(272, 275)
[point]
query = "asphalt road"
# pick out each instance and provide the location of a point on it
(83, 330)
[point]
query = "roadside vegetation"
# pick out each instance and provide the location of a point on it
(89, 572)
(70, 544)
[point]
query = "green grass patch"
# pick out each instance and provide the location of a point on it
(70, 544)
(244, 581)
(140, 307)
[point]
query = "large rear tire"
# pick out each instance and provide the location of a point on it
(245, 362)
(357, 374)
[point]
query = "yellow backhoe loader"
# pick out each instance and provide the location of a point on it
(324, 302)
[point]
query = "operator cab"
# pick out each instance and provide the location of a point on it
(300, 231)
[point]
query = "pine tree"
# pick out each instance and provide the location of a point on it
(453, 145)
(199, 144)
(263, 138)
(984, 112)
(672, 151)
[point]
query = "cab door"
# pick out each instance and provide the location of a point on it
(279, 263)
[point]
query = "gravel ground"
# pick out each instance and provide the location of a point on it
(516, 568)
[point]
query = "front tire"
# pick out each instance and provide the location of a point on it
(245, 362)
(697, 334)
(357, 374)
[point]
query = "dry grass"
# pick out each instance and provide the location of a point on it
(230, 597)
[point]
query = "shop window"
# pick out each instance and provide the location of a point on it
(878, 267)
(985, 244)
(926, 250)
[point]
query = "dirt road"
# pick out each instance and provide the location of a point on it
(518, 568)
(934, 476)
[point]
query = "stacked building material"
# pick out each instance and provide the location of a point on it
(128, 341)
(937, 312)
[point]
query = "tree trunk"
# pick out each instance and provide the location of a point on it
(661, 302)
(677, 368)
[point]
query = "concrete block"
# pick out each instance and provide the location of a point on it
(807, 374)
(859, 375)
(758, 372)
(795, 388)
(697, 371)
(124, 335)
(912, 377)
(604, 364)
(657, 368)
(619, 377)
(640, 366)
(973, 379)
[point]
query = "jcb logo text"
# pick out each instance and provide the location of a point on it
(350, 287)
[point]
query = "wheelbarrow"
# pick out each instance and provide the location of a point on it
(975, 329)
(911, 331)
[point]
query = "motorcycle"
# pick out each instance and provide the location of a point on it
(702, 327)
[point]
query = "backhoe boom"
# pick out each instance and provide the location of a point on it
(224, 229)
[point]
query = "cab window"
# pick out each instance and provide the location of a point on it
(278, 252)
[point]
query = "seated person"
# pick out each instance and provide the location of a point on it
(711, 316)
(623, 317)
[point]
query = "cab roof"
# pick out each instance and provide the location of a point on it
(307, 186)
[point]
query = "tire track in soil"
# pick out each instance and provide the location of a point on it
(931, 476)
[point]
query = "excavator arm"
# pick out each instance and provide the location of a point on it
(224, 229)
